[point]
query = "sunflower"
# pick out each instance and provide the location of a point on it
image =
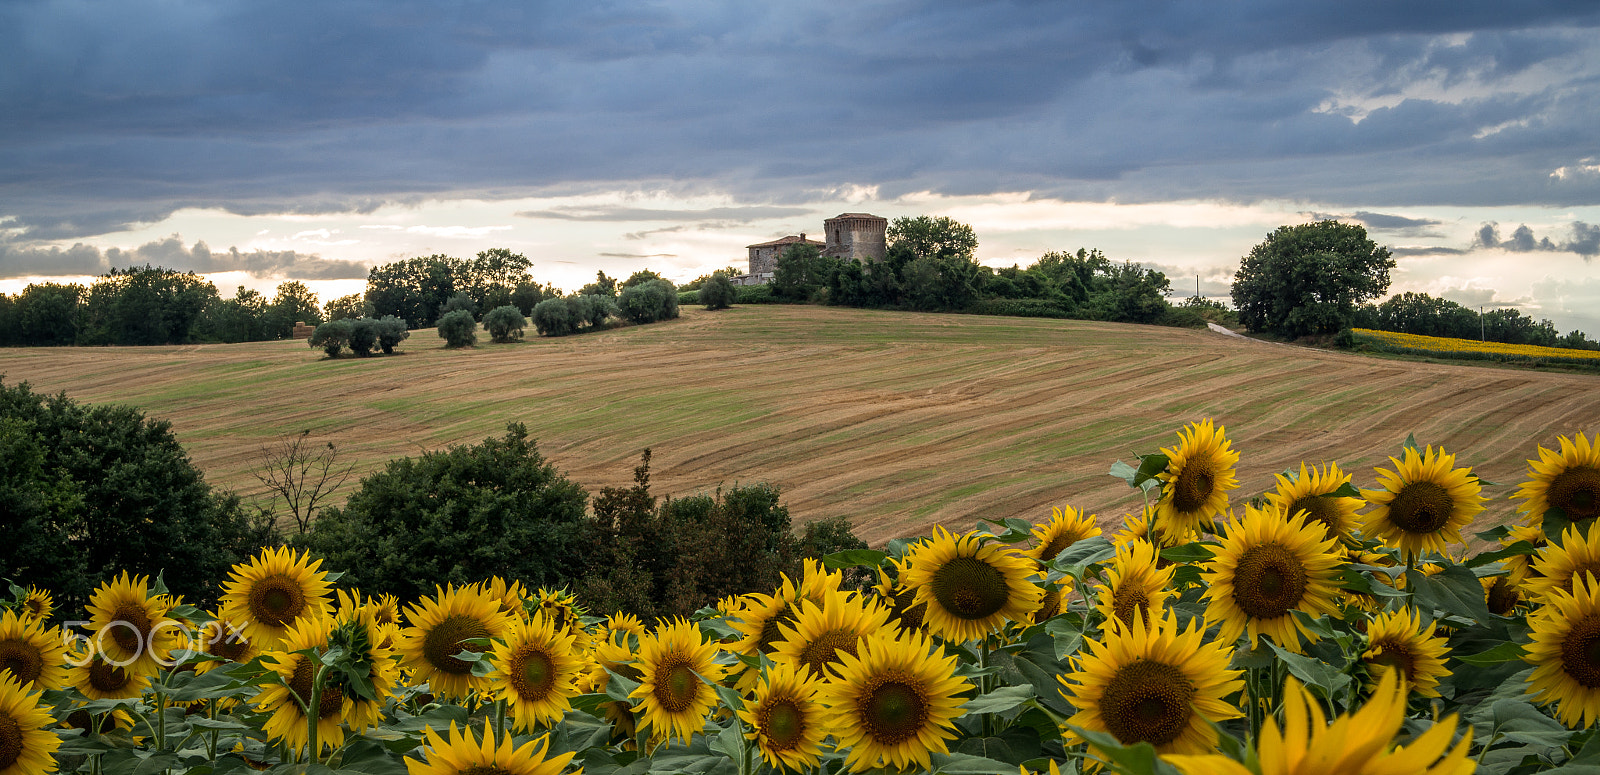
(535, 672)
(1135, 584)
(1267, 568)
(132, 625)
(561, 608)
(1556, 566)
(1568, 480)
(439, 625)
(30, 653)
(822, 632)
(625, 622)
(385, 610)
(1050, 604)
(1400, 639)
(1195, 484)
(1424, 502)
(894, 703)
(761, 618)
(1065, 528)
(785, 720)
(98, 679)
(37, 604)
(468, 754)
(1352, 743)
(1143, 527)
(26, 746)
(671, 694)
(1312, 492)
(971, 588)
(1158, 684)
(1565, 653)
(221, 638)
(510, 595)
(901, 600)
(816, 581)
(276, 588)
(298, 673)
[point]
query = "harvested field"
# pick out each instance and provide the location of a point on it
(898, 421)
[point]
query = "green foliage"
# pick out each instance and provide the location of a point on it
(801, 272)
(717, 293)
(1022, 308)
(363, 336)
(1182, 317)
(346, 308)
(456, 517)
(602, 286)
(46, 315)
(332, 336)
(87, 490)
(1308, 279)
(1419, 313)
(688, 297)
(928, 237)
(528, 294)
(553, 317)
(391, 332)
(505, 323)
(756, 294)
(417, 290)
(460, 303)
(458, 329)
(698, 282)
(640, 277)
(649, 301)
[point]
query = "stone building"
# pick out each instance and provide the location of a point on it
(847, 235)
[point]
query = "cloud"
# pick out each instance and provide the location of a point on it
(1585, 240)
(23, 260)
(1430, 250)
(619, 213)
(639, 255)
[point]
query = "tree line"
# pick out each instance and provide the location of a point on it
(930, 266)
(93, 487)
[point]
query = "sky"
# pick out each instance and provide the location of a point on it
(257, 142)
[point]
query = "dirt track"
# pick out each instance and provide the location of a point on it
(896, 420)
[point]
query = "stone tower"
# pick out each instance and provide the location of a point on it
(764, 255)
(856, 235)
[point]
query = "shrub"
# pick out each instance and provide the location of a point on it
(600, 308)
(456, 517)
(1022, 308)
(649, 301)
(688, 297)
(363, 336)
(757, 294)
(718, 292)
(1182, 317)
(458, 329)
(459, 303)
(505, 323)
(391, 332)
(332, 336)
(89, 491)
(552, 317)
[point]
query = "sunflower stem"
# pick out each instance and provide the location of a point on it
(1411, 589)
(313, 715)
(499, 721)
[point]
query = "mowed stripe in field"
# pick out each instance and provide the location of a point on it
(896, 420)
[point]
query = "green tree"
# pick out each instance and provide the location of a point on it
(717, 292)
(89, 490)
(641, 276)
(456, 516)
(928, 237)
(458, 329)
(46, 314)
(332, 336)
(391, 332)
(802, 270)
(505, 323)
(602, 286)
(460, 302)
(294, 303)
(1308, 279)
(649, 301)
(553, 317)
(346, 308)
(363, 336)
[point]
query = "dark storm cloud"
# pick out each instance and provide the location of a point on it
(21, 260)
(1392, 222)
(617, 213)
(117, 114)
(1585, 240)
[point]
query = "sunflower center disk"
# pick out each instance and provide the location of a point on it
(1580, 652)
(329, 703)
(445, 640)
(1576, 491)
(1578, 572)
(783, 725)
(970, 588)
(1421, 507)
(676, 687)
(1056, 546)
(22, 659)
(277, 601)
(227, 645)
(537, 676)
(1268, 582)
(824, 649)
(1128, 599)
(893, 712)
(1147, 701)
(107, 678)
(1194, 485)
(10, 741)
(770, 634)
(1316, 508)
(909, 616)
(484, 769)
(1395, 655)
(134, 628)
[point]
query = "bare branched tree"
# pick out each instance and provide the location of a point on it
(302, 474)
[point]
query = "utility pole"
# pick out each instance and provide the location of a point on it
(1481, 336)
(1197, 286)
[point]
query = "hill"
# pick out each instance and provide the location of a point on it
(896, 420)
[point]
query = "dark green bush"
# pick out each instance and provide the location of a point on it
(688, 297)
(717, 293)
(504, 323)
(363, 336)
(600, 307)
(86, 491)
(458, 329)
(757, 294)
(459, 303)
(1022, 308)
(1182, 317)
(332, 336)
(649, 301)
(552, 317)
(391, 332)
(456, 517)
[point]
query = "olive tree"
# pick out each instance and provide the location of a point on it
(1308, 279)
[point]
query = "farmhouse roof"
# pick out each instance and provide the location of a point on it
(789, 240)
(868, 216)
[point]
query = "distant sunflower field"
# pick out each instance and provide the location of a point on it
(1319, 628)
(1446, 347)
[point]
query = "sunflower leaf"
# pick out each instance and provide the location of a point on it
(1455, 590)
(967, 764)
(1187, 553)
(1505, 652)
(1518, 548)
(853, 558)
(1316, 675)
(1494, 534)
(1149, 466)
(1137, 759)
(620, 687)
(1554, 524)
(1346, 490)
(1410, 443)
(1000, 700)
(468, 656)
